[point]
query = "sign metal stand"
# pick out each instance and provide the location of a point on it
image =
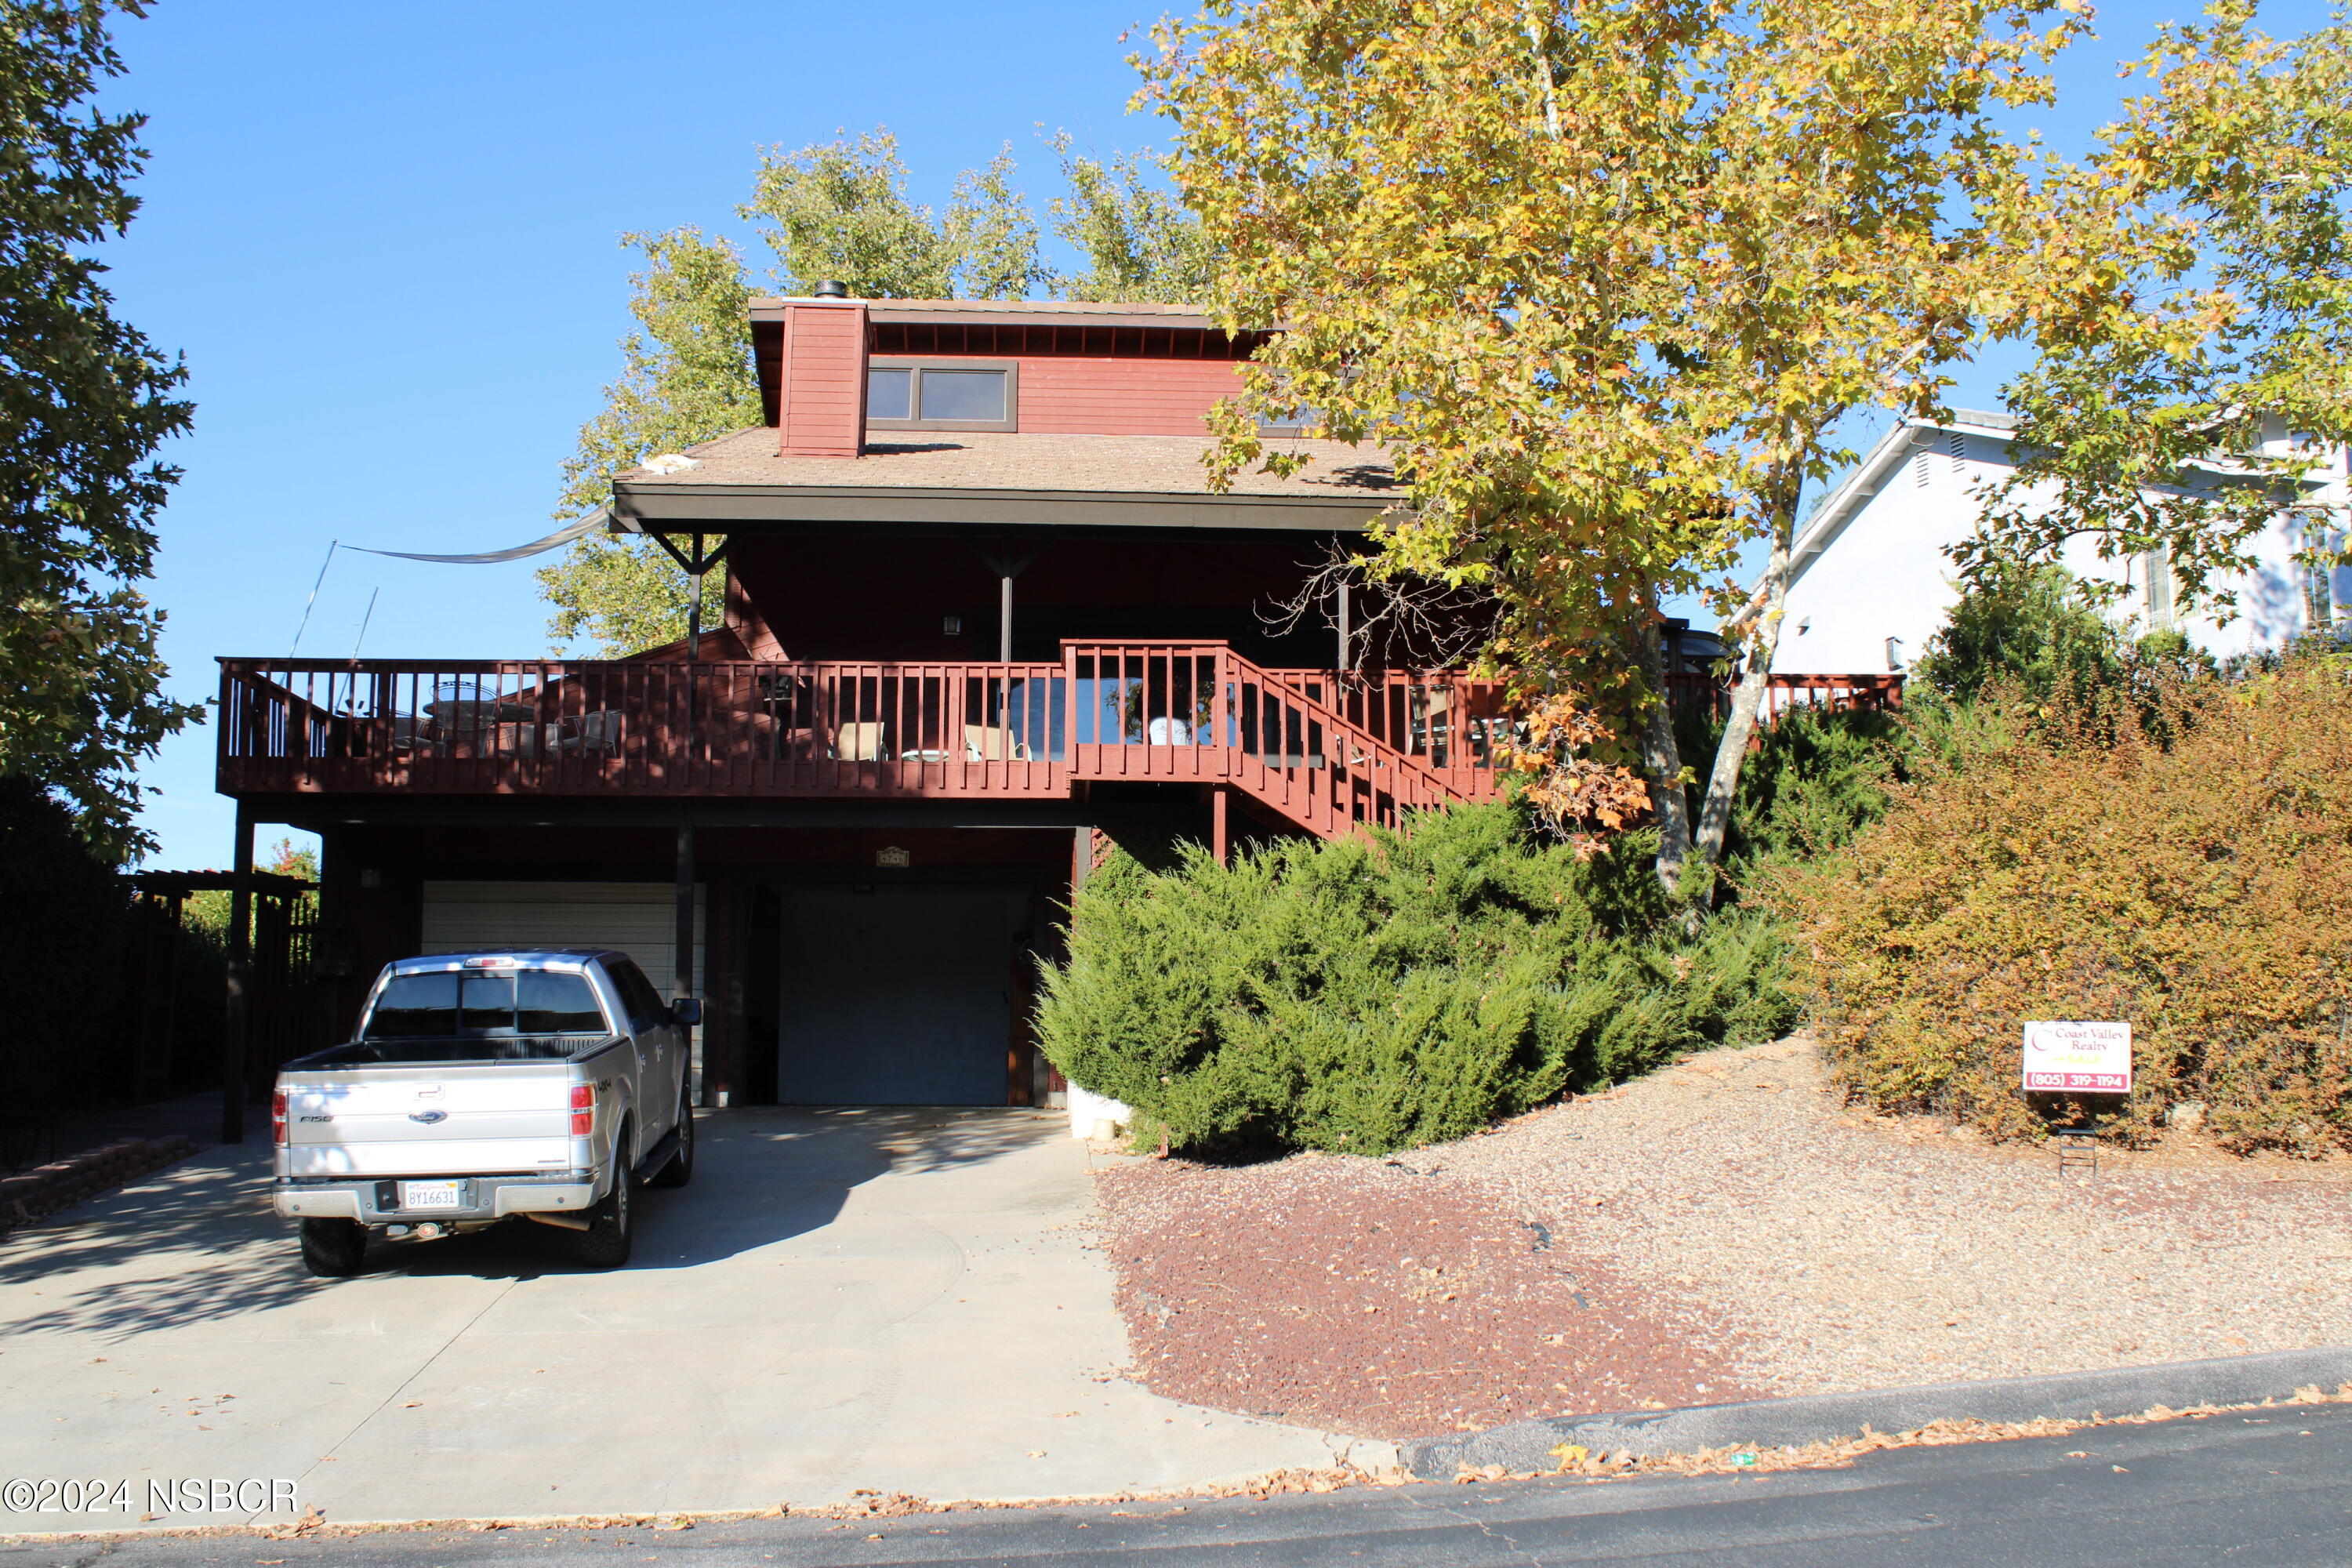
(2074, 1060)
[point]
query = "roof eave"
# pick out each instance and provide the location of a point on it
(666, 507)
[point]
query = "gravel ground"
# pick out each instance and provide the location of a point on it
(1721, 1230)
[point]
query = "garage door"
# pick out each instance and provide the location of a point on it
(639, 918)
(897, 995)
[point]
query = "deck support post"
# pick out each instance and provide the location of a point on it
(682, 960)
(695, 566)
(1007, 567)
(1220, 837)
(236, 1034)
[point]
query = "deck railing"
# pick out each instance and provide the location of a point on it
(1321, 748)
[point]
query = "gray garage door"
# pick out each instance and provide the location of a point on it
(897, 995)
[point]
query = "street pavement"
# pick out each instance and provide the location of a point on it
(896, 1299)
(2261, 1489)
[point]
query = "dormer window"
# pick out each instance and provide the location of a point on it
(942, 394)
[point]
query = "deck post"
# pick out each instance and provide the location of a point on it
(682, 960)
(235, 1037)
(1221, 839)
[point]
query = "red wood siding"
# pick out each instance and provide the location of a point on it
(822, 411)
(1122, 397)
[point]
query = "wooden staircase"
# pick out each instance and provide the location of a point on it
(1199, 712)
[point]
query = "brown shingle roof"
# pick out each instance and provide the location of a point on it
(977, 460)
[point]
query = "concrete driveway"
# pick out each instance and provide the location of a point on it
(894, 1299)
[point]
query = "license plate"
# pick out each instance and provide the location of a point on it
(432, 1195)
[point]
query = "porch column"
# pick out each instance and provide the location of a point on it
(235, 1037)
(159, 932)
(682, 962)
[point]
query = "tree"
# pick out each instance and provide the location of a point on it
(685, 378)
(2213, 319)
(993, 235)
(85, 402)
(838, 210)
(1138, 240)
(1603, 280)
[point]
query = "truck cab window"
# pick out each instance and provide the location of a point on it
(637, 995)
(414, 1006)
(512, 1001)
(552, 1004)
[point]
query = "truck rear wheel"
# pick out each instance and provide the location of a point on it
(334, 1249)
(679, 1169)
(606, 1243)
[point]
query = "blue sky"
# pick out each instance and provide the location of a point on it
(386, 237)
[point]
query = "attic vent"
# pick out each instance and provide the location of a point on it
(1958, 445)
(1919, 470)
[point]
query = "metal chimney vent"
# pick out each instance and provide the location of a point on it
(832, 289)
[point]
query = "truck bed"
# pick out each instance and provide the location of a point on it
(435, 1107)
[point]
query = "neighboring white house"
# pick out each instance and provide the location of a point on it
(1873, 581)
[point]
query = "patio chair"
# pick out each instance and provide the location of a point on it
(858, 743)
(989, 743)
(594, 732)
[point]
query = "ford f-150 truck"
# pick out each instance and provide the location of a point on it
(532, 1084)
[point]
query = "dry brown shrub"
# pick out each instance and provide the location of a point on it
(2197, 889)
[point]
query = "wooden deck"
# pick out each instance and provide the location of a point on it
(1319, 750)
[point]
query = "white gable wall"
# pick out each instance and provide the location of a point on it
(1873, 561)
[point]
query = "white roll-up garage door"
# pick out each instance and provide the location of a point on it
(639, 918)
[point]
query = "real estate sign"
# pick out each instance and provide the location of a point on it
(2080, 1057)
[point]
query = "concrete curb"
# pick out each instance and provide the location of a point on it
(1827, 1418)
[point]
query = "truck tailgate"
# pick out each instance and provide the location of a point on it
(456, 1120)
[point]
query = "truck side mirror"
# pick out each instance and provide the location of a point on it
(686, 1010)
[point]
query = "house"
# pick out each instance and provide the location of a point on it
(981, 617)
(1873, 581)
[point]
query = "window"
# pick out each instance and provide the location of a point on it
(638, 997)
(2156, 581)
(484, 1002)
(1297, 421)
(959, 394)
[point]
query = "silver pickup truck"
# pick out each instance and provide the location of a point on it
(533, 1084)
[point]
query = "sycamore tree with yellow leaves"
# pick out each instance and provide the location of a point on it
(1604, 281)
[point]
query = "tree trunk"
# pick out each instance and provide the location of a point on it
(1661, 756)
(1748, 697)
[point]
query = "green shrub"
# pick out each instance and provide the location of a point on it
(1400, 989)
(2187, 873)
